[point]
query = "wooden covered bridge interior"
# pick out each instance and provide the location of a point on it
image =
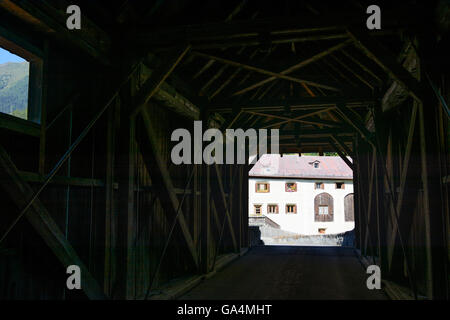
(88, 180)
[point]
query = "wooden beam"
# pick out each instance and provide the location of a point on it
(125, 284)
(274, 75)
(279, 30)
(37, 215)
(226, 83)
(377, 52)
(309, 114)
(338, 140)
(317, 122)
(339, 72)
(51, 20)
(110, 218)
(362, 66)
(354, 120)
(173, 100)
(295, 103)
(297, 66)
(35, 177)
(19, 125)
(338, 132)
(160, 175)
(369, 204)
(339, 152)
(357, 75)
(205, 220)
(231, 119)
(152, 85)
(403, 176)
(221, 201)
(208, 64)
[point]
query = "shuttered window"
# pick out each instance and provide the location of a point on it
(323, 207)
(340, 185)
(257, 210)
(349, 208)
(261, 187)
(272, 208)
(291, 208)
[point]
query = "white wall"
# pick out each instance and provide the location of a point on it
(302, 222)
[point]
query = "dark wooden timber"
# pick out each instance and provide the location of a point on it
(376, 51)
(294, 103)
(162, 178)
(297, 66)
(38, 216)
(160, 75)
(264, 71)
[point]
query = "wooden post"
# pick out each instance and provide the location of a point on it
(43, 111)
(205, 231)
(380, 130)
(356, 192)
(110, 217)
(126, 214)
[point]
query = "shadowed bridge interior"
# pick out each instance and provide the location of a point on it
(87, 178)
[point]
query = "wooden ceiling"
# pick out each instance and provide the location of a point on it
(287, 64)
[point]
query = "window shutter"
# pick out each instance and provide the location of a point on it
(343, 185)
(276, 209)
(322, 185)
(268, 187)
(295, 209)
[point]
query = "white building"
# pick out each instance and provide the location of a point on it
(303, 194)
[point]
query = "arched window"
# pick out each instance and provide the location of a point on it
(349, 208)
(323, 207)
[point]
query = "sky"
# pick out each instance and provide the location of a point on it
(6, 56)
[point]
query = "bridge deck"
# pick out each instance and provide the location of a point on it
(290, 272)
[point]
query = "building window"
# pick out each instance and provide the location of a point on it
(257, 210)
(315, 164)
(323, 210)
(340, 185)
(272, 208)
(291, 208)
(20, 82)
(319, 185)
(291, 187)
(322, 230)
(262, 187)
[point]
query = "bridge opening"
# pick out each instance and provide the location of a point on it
(301, 199)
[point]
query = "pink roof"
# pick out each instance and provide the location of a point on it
(294, 166)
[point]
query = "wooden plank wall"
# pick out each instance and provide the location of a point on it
(401, 193)
(91, 215)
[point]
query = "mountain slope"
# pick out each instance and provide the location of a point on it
(14, 88)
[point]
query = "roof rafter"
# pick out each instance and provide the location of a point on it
(297, 66)
(377, 52)
(274, 75)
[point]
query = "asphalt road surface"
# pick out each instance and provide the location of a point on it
(289, 272)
